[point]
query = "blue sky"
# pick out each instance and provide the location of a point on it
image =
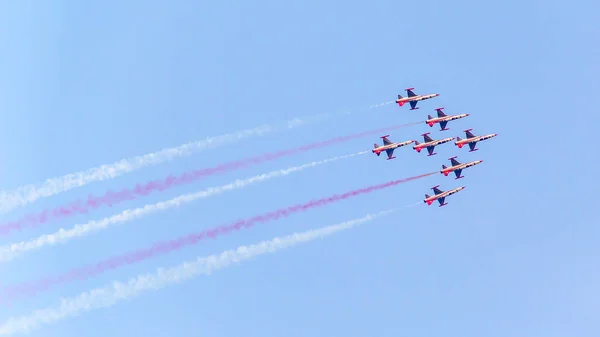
(88, 83)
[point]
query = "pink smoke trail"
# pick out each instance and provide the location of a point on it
(112, 198)
(165, 247)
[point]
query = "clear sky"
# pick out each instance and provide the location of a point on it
(86, 83)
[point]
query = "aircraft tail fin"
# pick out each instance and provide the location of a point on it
(444, 166)
(426, 196)
(458, 139)
(429, 117)
(417, 142)
(376, 152)
(400, 96)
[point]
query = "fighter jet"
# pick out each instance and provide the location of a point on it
(457, 167)
(472, 139)
(413, 98)
(389, 147)
(443, 119)
(440, 195)
(430, 144)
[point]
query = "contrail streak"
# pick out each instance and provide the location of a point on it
(11, 251)
(112, 198)
(165, 247)
(115, 292)
(24, 195)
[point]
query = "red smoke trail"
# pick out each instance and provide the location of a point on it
(165, 247)
(112, 198)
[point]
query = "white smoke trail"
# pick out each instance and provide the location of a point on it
(29, 193)
(118, 291)
(11, 251)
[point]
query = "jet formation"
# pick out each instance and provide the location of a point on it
(429, 143)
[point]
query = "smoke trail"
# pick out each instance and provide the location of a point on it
(29, 193)
(115, 292)
(11, 251)
(111, 198)
(165, 247)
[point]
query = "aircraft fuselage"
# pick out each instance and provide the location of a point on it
(432, 121)
(462, 142)
(403, 100)
(433, 198)
(392, 146)
(432, 143)
(447, 170)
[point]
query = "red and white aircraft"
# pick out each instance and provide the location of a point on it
(472, 139)
(430, 144)
(443, 119)
(457, 167)
(413, 98)
(440, 195)
(389, 147)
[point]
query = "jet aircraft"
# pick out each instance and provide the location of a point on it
(413, 98)
(430, 144)
(389, 147)
(457, 167)
(472, 139)
(443, 119)
(440, 195)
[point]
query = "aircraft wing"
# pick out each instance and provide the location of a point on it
(430, 149)
(443, 125)
(437, 191)
(390, 153)
(386, 141)
(472, 145)
(441, 200)
(410, 93)
(454, 162)
(426, 138)
(458, 172)
(413, 104)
